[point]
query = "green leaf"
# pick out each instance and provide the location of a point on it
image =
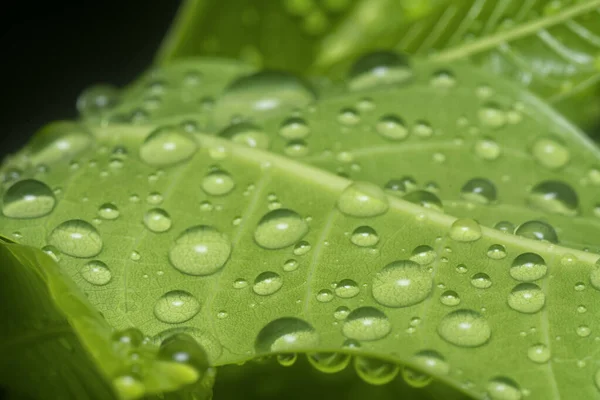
(273, 234)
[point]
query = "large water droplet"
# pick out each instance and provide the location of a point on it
(28, 198)
(96, 272)
(450, 298)
(246, 134)
(550, 153)
(280, 228)
(465, 230)
(392, 127)
(218, 183)
(537, 230)
(364, 236)
(502, 388)
(528, 267)
(402, 283)
(374, 371)
(379, 69)
(200, 250)
(294, 128)
(366, 324)
(527, 298)
(176, 306)
(261, 93)
(285, 334)
(166, 146)
(479, 190)
(183, 348)
(329, 363)
(432, 362)
(538, 353)
(76, 238)
(58, 141)
(267, 283)
(465, 328)
(363, 199)
(554, 197)
(157, 220)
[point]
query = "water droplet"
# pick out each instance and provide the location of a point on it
(595, 275)
(348, 117)
(280, 228)
(362, 199)
(550, 153)
(287, 359)
(176, 306)
(166, 146)
(131, 336)
(329, 363)
(183, 348)
(432, 362)
(537, 230)
(401, 186)
(285, 334)
(501, 388)
(325, 296)
(96, 272)
(423, 255)
(76, 238)
(479, 190)
(379, 69)
(28, 198)
(296, 148)
(465, 328)
(267, 283)
(538, 353)
(294, 128)
(301, 248)
(290, 265)
(392, 127)
(505, 226)
(465, 230)
(157, 220)
(528, 267)
(374, 371)
(58, 141)
(415, 378)
(261, 93)
(450, 298)
(346, 289)
(200, 250)
(490, 114)
(128, 387)
(402, 283)
(366, 324)
(481, 281)
(583, 331)
(108, 211)
(246, 134)
(341, 312)
(496, 252)
(97, 99)
(240, 283)
(527, 298)
(364, 236)
(218, 183)
(554, 197)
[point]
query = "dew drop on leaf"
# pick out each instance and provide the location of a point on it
(595, 275)
(392, 127)
(401, 186)
(294, 128)
(285, 334)
(218, 183)
(364, 236)
(425, 199)
(415, 378)
(329, 363)
(287, 359)
(537, 230)
(490, 114)
(366, 324)
(481, 281)
(346, 289)
(290, 265)
(402, 283)
(496, 252)
(465, 328)
(301, 248)
(76, 238)
(465, 230)
(130, 336)
(183, 348)
(176, 306)
(554, 197)
(96, 272)
(28, 198)
(128, 387)
(379, 69)
(166, 146)
(527, 298)
(108, 211)
(267, 283)
(362, 199)
(550, 153)
(341, 312)
(501, 388)
(97, 99)
(431, 361)
(443, 79)
(280, 228)
(423, 255)
(348, 116)
(505, 226)
(157, 220)
(538, 353)
(487, 149)
(528, 267)
(479, 190)
(450, 298)
(325, 296)
(246, 134)
(200, 250)
(374, 371)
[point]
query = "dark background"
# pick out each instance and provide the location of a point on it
(51, 51)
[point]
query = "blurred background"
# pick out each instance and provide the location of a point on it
(51, 52)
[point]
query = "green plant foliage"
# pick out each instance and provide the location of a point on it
(419, 229)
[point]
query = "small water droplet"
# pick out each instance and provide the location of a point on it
(402, 283)
(423, 255)
(97, 99)
(294, 128)
(374, 371)
(479, 190)
(366, 324)
(76, 238)
(28, 198)
(218, 183)
(432, 362)
(346, 289)
(280, 228)
(583, 331)
(325, 296)
(301, 248)
(550, 153)
(364, 236)
(267, 283)
(341, 312)
(96, 272)
(183, 348)
(166, 146)
(240, 283)
(157, 220)
(502, 388)
(176, 306)
(443, 79)
(490, 114)
(465, 328)
(425, 199)
(465, 230)
(285, 334)
(538, 353)
(200, 250)
(363, 199)
(554, 197)
(481, 281)
(496, 252)
(108, 211)
(329, 363)
(348, 116)
(528, 267)
(379, 69)
(287, 359)
(246, 134)
(487, 149)
(392, 127)
(527, 298)
(290, 265)
(450, 298)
